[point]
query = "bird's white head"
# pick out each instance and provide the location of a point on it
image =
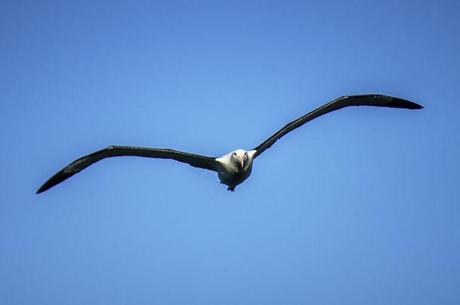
(242, 158)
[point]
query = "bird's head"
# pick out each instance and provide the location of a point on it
(242, 158)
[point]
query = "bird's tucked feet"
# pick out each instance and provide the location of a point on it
(231, 188)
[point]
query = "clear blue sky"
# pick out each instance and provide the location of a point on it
(357, 207)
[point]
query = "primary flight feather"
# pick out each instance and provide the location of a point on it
(236, 166)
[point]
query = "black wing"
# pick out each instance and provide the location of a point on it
(341, 102)
(117, 151)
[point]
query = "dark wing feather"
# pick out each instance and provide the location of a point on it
(117, 151)
(341, 102)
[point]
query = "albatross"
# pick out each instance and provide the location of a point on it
(234, 167)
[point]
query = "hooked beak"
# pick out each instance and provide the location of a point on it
(242, 162)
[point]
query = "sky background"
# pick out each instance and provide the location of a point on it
(357, 207)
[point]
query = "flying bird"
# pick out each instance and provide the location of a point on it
(234, 167)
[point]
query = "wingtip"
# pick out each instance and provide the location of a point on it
(40, 190)
(407, 104)
(388, 101)
(46, 186)
(412, 105)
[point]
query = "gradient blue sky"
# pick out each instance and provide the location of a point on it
(357, 207)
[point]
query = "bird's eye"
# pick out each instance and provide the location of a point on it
(234, 153)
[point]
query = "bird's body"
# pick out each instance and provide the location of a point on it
(236, 166)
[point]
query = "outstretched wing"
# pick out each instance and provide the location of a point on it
(117, 151)
(341, 102)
